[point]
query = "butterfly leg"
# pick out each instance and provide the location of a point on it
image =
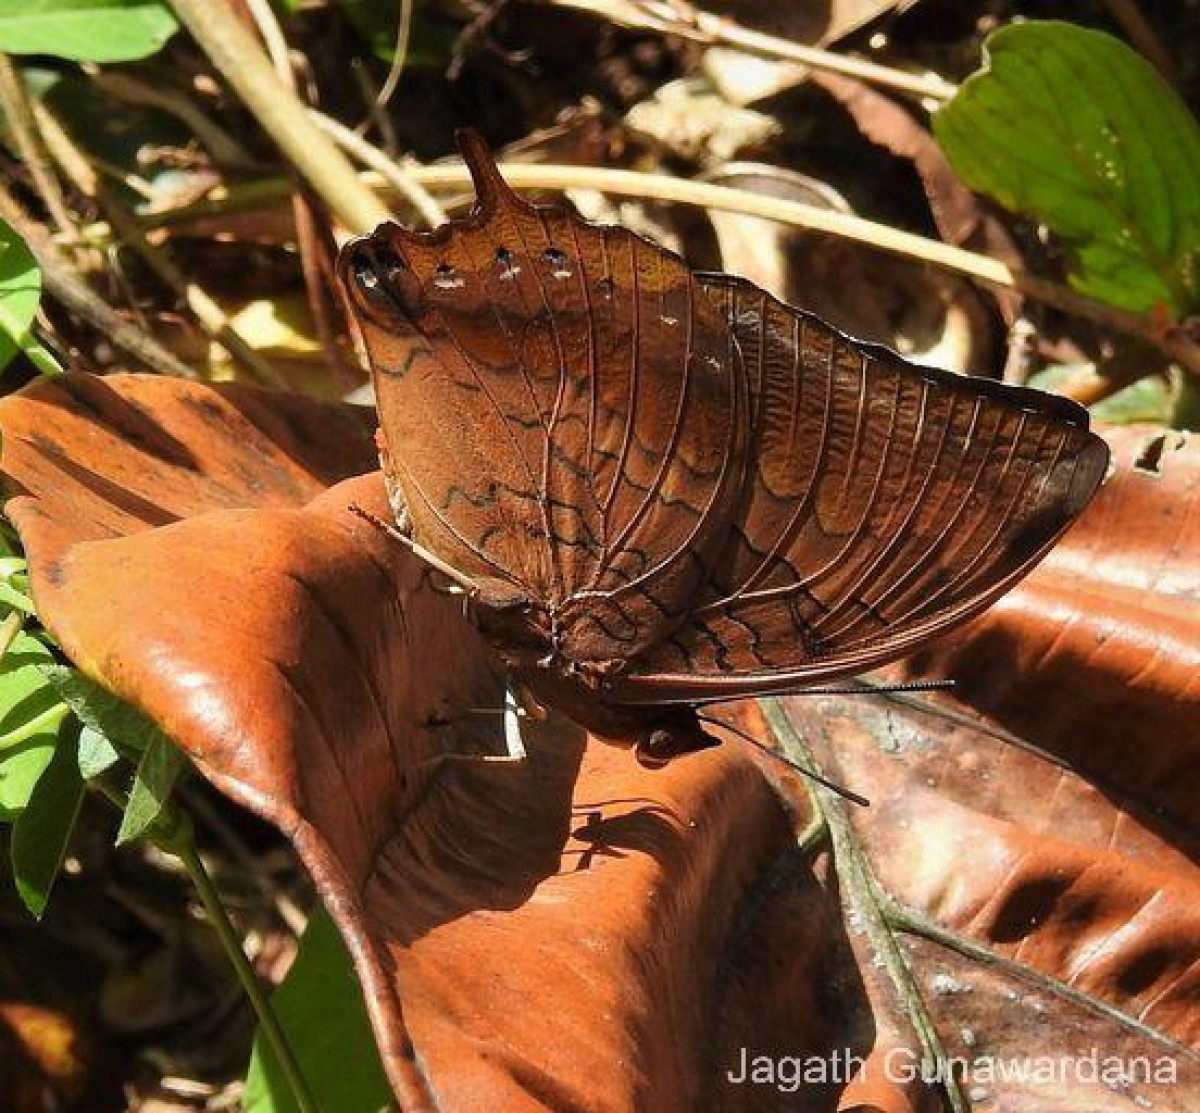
(425, 772)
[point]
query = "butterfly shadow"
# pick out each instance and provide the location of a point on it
(483, 829)
(616, 828)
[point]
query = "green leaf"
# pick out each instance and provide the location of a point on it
(129, 731)
(124, 731)
(43, 829)
(1078, 131)
(320, 1006)
(31, 713)
(97, 754)
(14, 596)
(157, 772)
(86, 30)
(20, 292)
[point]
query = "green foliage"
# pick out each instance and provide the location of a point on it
(42, 830)
(20, 291)
(86, 30)
(31, 714)
(160, 767)
(320, 1006)
(1076, 130)
(113, 729)
(128, 730)
(97, 754)
(59, 730)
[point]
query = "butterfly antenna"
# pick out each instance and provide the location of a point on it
(860, 688)
(812, 775)
(418, 550)
(863, 688)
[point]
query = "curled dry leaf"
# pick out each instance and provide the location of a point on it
(575, 932)
(187, 554)
(929, 317)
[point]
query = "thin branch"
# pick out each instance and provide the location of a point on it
(17, 112)
(797, 214)
(313, 235)
(861, 894)
(669, 17)
(221, 146)
(273, 1034)
(210, 315)
(63, 282)
(1135, 24)
(403, 181)
(9, 629)
(237, 55)
(400, 55)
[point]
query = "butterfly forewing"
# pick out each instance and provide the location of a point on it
(573, 420)
(885, 502)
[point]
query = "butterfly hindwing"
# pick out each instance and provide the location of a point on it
(885, 503)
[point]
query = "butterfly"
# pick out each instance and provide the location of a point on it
(665, 488)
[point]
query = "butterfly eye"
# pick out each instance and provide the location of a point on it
(557, 261)
(446, 277)
(606, 288)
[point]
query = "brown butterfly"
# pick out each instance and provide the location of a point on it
(666, 488)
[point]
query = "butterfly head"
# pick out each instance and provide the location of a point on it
(397, 276)
(380, 283)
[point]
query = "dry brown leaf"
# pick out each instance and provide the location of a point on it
(42, 1060)
(575, 932)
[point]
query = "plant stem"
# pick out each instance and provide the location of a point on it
(185, 850)
(210, 315)
(15, 102)
(670, 18)
(797, 214)
(64, 283)
(221, 146)
(862, 896)
(238, 56)
(401, 180)
(9, 629)
(855, 228)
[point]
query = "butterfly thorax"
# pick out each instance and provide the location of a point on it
(535, 639)
(535, 643)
